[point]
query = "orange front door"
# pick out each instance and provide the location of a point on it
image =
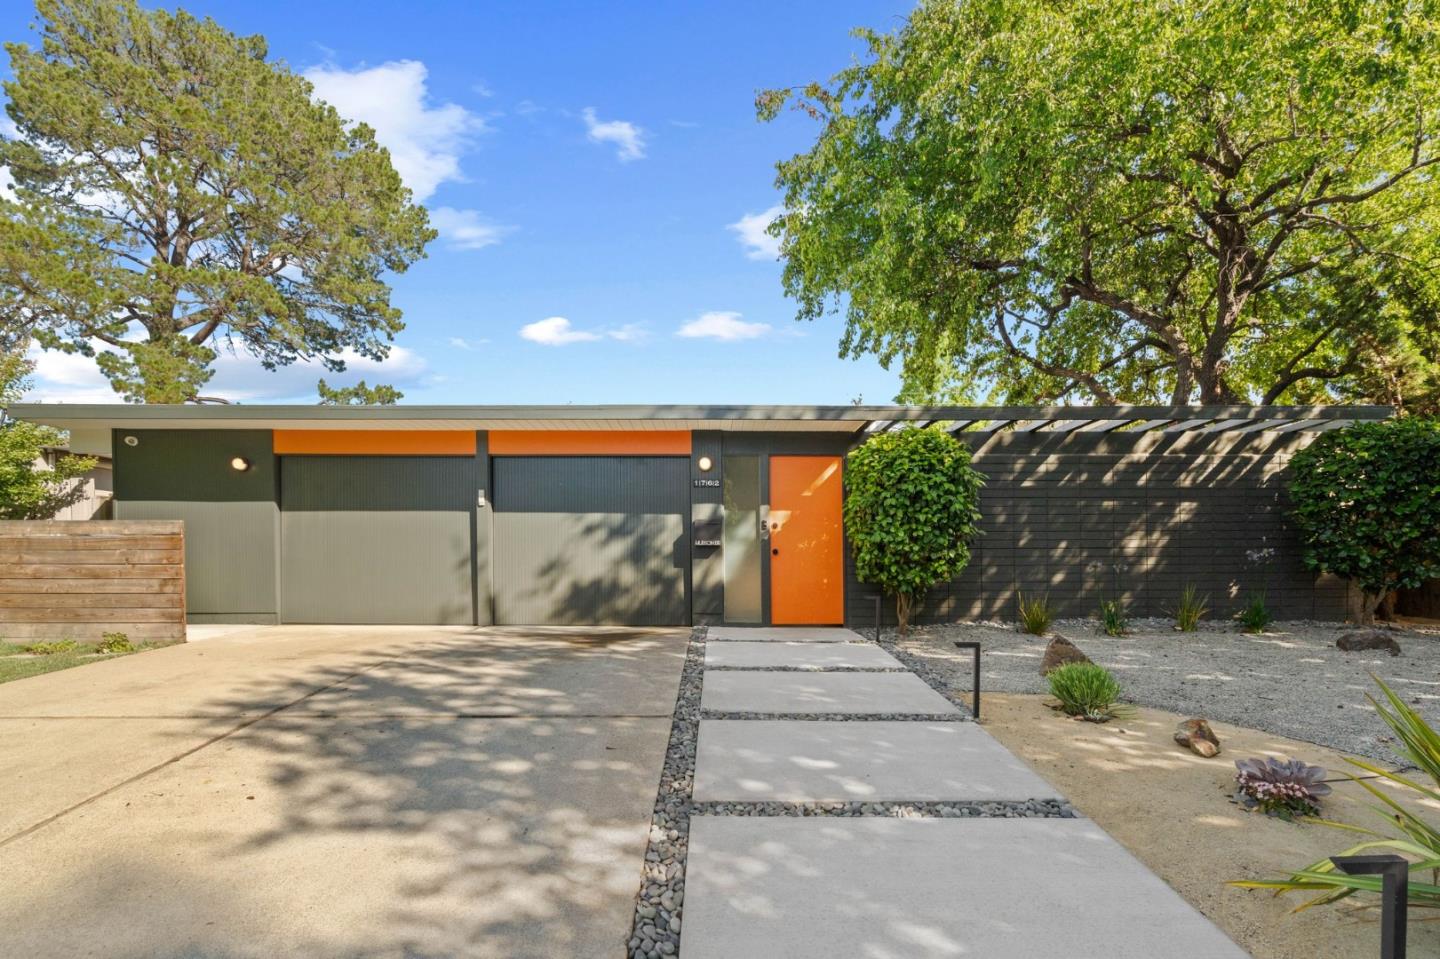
(807, 562)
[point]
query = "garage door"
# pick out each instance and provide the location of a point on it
(591, 539)
(377, 539)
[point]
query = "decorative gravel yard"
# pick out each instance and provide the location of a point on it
(1291, 681)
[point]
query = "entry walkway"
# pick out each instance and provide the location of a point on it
(844, 808)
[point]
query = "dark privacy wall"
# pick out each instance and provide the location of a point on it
(1088, 516)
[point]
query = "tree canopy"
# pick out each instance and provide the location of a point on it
(176, 193)
(358, 395)
(1129, 201)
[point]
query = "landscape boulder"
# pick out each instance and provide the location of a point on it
(1059, 653)
(1357, 640)
(1198, 737)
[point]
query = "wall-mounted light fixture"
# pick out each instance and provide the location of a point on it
(705, 463)
(240, 464)
(132, 441)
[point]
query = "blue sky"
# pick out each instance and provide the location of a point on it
(591, 168)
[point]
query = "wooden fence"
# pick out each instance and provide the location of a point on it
(80, 579)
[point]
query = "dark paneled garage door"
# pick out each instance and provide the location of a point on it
(591, 539)
(377, 539)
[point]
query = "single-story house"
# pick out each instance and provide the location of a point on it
(650, 515)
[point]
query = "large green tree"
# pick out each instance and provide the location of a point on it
(176, 192)
(1129, 201)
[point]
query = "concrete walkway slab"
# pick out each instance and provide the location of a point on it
(783, 634)
(740, 655)
(797, 761)
(854, 693)
(817, 888)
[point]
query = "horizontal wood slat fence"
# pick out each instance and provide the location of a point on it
(78, 580)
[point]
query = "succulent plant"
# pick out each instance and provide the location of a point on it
(1281, 787)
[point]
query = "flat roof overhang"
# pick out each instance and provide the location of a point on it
(850, 419)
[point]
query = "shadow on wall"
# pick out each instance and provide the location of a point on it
(1086, 518)
(378, 818)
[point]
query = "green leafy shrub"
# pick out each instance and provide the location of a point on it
(1366, 501)
(115, 643)
(911, 509)
(1112, 617)
(1419, 842)
(1086, 690)
(1191, 610)
(52, 647)
(1254, 616)
(1036, 615)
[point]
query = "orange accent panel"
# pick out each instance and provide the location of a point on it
(807, 542)
(376, 442)
(589, 442)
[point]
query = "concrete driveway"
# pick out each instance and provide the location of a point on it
(336, 791)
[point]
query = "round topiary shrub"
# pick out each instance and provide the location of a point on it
(1366, 501)
(911, 510)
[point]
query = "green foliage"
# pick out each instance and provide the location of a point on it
(1367, 504)
(1419, 841)
(358, 395)
(115, 643)
(1112, 617)
(1191, 609)
(1036, 615)
(1129, 201)
(52, 647)
(26, 491)
(172, 182)
(1254, 616)
(1086, 690)
(911, 510)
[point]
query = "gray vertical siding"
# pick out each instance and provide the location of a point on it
(377, 539)
(1084, 517)
(592, 539)
(231, 518)
(707, 571)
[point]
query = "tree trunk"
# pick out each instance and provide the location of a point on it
(904, 606)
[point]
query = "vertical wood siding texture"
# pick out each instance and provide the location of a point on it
(81, 579)
(1085, 517)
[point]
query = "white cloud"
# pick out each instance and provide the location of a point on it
(629, 139)
(629, 333)
(460, 343)
(722, 325)
(555, 331)
(466, 229)
(425, 141)
(239, 377)
(750, 229)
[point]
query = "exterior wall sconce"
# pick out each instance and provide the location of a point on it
(240, 464)
(705, 463)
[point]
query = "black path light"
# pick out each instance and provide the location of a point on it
(1394, 872)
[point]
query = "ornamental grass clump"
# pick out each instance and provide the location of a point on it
(1191, 610)
(1280, 787)
(1087, 691)
(1112, 618)
(1254, 617)
(1036, 615)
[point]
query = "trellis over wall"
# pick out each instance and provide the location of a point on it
(1133, 503)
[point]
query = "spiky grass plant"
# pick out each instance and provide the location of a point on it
(1086, 690)
(1191, 609)
(1036, 615)
(1419, 841)
(1254, 616)
(1112, 618)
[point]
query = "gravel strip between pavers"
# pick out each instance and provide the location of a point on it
(997, 809)
(842, 717)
